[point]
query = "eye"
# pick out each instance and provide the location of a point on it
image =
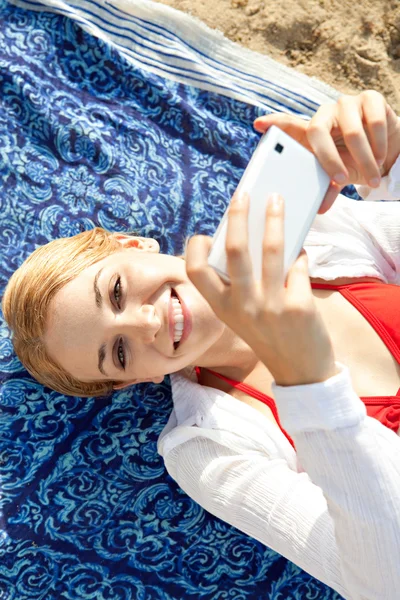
(118, 292)
(121, 354)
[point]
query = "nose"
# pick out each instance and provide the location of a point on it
(144, 324)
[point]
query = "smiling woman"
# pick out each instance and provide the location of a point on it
(286, 393)
(117, 313)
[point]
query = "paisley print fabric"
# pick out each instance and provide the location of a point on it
(90, 135)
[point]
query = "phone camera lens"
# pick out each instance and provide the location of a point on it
(278, 148)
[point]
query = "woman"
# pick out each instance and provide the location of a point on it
(119, 313)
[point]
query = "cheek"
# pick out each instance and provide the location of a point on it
(152, 364)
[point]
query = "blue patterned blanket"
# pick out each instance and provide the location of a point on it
(130, 116)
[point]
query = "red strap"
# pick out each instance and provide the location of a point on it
(253, 393)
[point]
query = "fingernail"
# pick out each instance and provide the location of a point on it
(380, 162)
(340, 178)
(275, 202)
(375, 182)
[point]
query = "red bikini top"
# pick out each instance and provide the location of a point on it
(379, 303)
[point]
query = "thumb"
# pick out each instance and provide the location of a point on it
(301, 263)
(262, 124)
(296, 127)
(303, 257)
(330, 197)
(298, 284)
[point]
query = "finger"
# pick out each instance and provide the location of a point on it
(298, 284)
(238, 262)
(329, 198)
(350, 121)
(273, 276)
(393, 125)
(294, 126)
(392, 118)
(204, 277)
(320, 138)
(374, 113)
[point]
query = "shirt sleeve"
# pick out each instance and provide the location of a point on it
(355, 460)
(339, 520)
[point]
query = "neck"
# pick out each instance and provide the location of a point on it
(228, 354)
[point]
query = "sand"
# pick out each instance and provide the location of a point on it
(351, 45)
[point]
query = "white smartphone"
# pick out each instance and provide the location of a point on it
(279, 164)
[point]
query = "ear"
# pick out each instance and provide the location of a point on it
(121, 386)
(159, 379)
(141, 243)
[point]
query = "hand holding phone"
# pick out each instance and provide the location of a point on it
(279, 164)
(356, 139)
(281, 323)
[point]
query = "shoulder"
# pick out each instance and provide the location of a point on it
(221, 420)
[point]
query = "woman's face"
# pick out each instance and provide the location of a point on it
(117, 320)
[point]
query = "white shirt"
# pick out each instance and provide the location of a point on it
(332, 508)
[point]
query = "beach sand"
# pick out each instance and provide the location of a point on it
(351, 45)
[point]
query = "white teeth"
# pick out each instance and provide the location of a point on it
(179, 320)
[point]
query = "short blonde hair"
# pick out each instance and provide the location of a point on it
(29, 293)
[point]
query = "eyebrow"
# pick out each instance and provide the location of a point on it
(97, 293)
(99, 303)
(102, 356)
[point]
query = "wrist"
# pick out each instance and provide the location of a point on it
(303, 379)
(289, 372)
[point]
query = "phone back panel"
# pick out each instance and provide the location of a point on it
(293, 172)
